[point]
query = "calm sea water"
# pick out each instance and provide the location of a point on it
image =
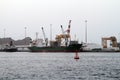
(59, 66)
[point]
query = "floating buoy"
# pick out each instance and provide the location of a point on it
(76, 55)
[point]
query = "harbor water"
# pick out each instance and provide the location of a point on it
(59, 66)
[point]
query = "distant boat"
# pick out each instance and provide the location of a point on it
(10, 47)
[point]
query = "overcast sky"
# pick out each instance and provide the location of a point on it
(103, 18)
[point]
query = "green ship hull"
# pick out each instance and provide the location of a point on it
(70, 48)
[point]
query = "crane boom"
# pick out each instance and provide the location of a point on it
(43, 33)
(66, 39)
(69, 25)
(62, 30)
(46, 39)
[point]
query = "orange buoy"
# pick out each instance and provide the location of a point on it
(76, 55)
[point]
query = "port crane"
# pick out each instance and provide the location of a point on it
(63, 35)
(112, 39)
(46, 39)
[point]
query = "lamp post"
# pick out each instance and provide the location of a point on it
(4, 36)
(36, 36)
(86, 31)
(4, 32)
(25, 35)
(50, 31)
(25, 31)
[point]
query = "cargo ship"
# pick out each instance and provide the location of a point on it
(70, 48)
(62, 43)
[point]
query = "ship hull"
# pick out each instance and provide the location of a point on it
(70, 48)
(10, 50)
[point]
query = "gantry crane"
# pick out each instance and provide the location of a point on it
(112, 39)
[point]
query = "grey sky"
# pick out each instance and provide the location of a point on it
(103, 18)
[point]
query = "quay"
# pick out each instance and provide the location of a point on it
(23, 48)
